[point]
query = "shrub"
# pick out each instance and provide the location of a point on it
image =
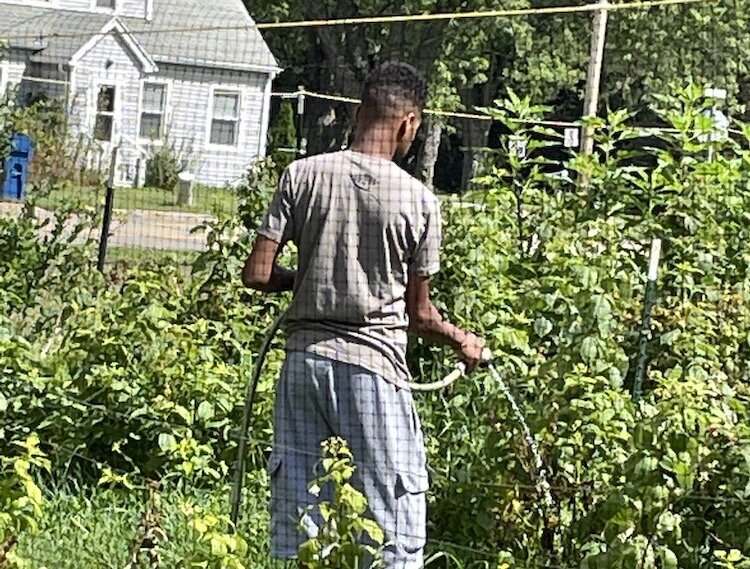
(282, 138)
(57, 157)
(163, 166)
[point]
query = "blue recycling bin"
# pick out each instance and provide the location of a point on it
(16, 167)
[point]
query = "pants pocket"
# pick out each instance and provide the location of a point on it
(411, 510)
(291, 522)
(277, 505)
(274, 465)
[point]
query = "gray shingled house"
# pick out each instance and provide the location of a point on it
(193, 74)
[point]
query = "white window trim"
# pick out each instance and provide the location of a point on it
(116, 113)
(4, 76)
(166, 115)
(265, 117)
(210, 117)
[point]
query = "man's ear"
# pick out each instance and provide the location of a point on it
(413, 121)
(403, 129)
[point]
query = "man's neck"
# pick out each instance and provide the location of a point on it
(376, 142)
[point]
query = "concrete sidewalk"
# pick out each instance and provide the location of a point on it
(166, 230)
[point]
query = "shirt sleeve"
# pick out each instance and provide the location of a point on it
(427, 255)
(278, 222)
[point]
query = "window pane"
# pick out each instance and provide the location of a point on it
(150, 125)
(106, 4)
(223, 132)
(103, 128)
(154, 97)
(106, 101)
(226, 105)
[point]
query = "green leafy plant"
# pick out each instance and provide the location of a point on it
(165, 162)
(140, 374)
(20, 497)
(339, 541)
(222, 550)
(255, 193)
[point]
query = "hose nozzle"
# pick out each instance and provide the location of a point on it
(486, 356)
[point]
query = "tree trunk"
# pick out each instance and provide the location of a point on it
(474, 140)
(337, 60)
(429, 154)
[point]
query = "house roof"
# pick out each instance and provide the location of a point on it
(171, 35)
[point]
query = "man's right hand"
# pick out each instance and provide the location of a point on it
(471, 351)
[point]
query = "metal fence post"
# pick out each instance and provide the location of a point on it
(108, 207)
(640, 369)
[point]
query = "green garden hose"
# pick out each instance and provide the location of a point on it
(252, 387)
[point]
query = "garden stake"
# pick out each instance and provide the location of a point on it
(640, 369)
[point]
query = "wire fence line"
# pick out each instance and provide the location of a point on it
(646, 129)
(404, 18)
(186, 117)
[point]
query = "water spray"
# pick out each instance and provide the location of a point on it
(540, 470)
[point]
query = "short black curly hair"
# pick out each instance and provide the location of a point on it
(393, 85)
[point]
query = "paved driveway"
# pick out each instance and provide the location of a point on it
(166, 230)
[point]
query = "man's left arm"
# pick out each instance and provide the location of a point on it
(262, 271)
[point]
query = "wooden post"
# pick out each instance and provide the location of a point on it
(301, 142)
(594, 76)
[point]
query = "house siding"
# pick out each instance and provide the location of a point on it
(188, 124)
(110, 60)
(32, 81)
(13, 67)
(81, 5)
(124, 72)
(131, 8)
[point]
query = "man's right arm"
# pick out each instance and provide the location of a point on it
(261, 272)
(426, 321)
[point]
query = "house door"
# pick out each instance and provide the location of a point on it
(106, 118)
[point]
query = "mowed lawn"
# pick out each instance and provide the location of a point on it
(133, 256)
(205, 200)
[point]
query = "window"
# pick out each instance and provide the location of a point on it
(106, 4)
(225, 118)
(105, 113)
(153, 105)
